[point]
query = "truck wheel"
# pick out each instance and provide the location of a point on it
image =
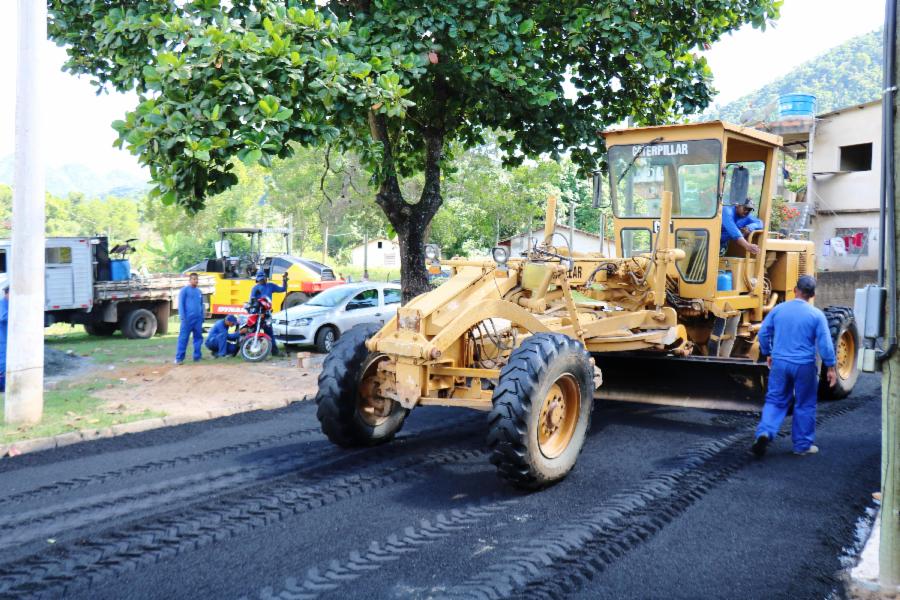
(325, 339)
(845, 336)
(256, 348)
(542, 411)
(294, 299)
(139, 324)
(349, 408)
(102, 329)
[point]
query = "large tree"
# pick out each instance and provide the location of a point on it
(395, 81)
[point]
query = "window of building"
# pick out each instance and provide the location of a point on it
(856, 240)
(857, 157)
(379, 245)
(58, 256)
(2, 261)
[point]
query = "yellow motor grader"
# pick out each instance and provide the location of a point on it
(517, 337)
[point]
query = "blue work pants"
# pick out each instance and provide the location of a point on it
(787, 381)
(190, 326)
(220, 346)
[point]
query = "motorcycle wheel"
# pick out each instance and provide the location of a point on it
(256, 348)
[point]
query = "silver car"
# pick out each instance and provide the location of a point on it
(327, 315)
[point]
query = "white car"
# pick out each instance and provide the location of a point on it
(320, 321)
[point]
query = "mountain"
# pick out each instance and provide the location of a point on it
(75, 178)
(843, 76)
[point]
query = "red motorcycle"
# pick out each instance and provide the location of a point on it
(256, 345)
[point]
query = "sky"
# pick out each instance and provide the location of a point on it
(78, 121)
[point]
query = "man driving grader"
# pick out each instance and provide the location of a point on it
(515, 336)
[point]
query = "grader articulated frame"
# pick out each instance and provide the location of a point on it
(517, 337)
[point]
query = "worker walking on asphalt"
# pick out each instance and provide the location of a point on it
(789, 338)
(4, 324)
(263, 289)
(190, 311)
(220, 340)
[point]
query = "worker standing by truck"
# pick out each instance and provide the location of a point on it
(264, 289)
(190, 311)
(789, 338)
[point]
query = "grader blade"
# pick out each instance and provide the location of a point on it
(692, 383)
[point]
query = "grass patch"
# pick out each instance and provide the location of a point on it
(115, 348)
(70, 408)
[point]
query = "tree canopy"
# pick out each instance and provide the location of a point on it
(400, 83)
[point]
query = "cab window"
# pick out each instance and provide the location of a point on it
(279, 267)
(695, 243)
(635, 241)
(757, 172)
(364, 299)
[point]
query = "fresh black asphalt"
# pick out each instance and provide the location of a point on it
(663, 503)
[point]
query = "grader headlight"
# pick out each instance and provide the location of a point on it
(500, 255)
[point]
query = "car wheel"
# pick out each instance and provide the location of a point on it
(325, 339)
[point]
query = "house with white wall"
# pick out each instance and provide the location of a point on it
(382, 252)
(582, 241)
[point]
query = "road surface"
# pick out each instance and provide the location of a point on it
(663, 503)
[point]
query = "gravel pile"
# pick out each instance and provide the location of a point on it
(57, 362)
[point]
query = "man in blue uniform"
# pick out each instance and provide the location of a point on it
(263, 289)
(4, 324)
(789, 338)
(190, 311)
(735, 217)
(220, 340)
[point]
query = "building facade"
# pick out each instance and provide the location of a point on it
(381, 253)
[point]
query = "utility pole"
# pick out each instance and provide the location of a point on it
(25, 355)
(365, 253)
(889, 546)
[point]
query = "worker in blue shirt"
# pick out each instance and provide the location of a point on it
(220, 340)
(732, 215)
(790, 336)
(262, 288)
(4, 324)
(190, 311)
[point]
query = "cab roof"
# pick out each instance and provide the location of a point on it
(685, 131)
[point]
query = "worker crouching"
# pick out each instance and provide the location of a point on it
(221, 341)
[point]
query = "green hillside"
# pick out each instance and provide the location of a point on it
(845, 75)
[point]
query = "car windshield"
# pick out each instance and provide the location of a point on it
(640, 173)
(332, 297)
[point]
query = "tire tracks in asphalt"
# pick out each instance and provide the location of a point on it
(360, 563)
(58, 487)
(562, 561)
(124, 549)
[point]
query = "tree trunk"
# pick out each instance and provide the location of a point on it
(410, 221)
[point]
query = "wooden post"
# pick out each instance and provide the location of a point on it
(25, 348)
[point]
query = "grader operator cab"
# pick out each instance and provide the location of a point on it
(517, 337)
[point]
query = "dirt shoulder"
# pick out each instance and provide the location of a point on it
(209, 386)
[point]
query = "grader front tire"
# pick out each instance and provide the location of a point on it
(542, 411)
(349, 410)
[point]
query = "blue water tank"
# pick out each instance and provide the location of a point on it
(724, 282)
(797, 105)
(120, 269)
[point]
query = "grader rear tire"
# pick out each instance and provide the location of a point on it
(542, 411)
(349, 409)
(845, 336)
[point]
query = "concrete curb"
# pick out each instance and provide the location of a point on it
(862, 581)
(14, 449)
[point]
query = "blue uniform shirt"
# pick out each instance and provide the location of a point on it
(730, 230)
(190, 304)
(750, 222)
(792, 333)
(219, 334)
(265, 289)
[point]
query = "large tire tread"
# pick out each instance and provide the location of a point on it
(508, 420)
(839, 319)
(338, 389)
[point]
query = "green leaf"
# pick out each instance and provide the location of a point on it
(526, 26)
(252, 157)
